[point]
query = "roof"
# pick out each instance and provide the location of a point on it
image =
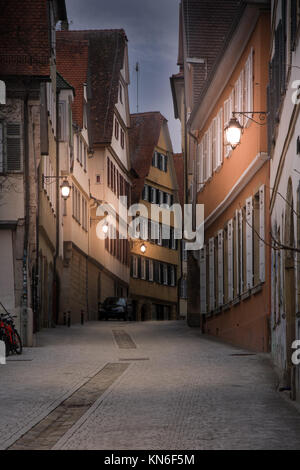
(72, 64)
(179, 170)
(143, 138)
(207, 24)
(106, 49)
(25, 47)
(62, 84)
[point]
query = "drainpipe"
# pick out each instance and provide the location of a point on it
(23, 320)
(57, 203)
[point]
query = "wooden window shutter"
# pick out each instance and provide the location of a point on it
(199, 166)
(249, 243)
(220, 267)
(248, 77)
(214, 131)
(241, 237)
(230, 260)
(13, 147)
(205, 163)
(211, 264)
(203, 306)
(262, 269)
(220, 138)
(209, 152)
(237, 259)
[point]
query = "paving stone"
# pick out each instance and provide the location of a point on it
(192, 392)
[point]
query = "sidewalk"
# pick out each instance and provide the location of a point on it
(34, 383)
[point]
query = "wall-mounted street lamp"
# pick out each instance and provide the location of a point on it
(65, 187)
(234, 130)
(143, 248)
(105, 228)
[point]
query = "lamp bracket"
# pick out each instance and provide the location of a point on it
(261, 114)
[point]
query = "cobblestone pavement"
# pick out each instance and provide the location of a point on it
(180, 391)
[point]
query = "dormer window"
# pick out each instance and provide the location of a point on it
(160, 161)
(121, 94)
(122, 138)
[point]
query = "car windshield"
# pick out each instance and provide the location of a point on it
(114, 301)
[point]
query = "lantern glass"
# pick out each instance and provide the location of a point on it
(233, 132)
(65, 189)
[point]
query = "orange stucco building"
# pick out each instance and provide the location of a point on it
(233, 301)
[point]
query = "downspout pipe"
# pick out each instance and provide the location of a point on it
(57, 171)
(24, 314)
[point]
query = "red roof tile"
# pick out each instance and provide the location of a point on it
(143, 138)
(25, 36)
(105, 61)
(207, 24)
(72, 64)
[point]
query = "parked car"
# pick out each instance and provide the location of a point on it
(116, 308)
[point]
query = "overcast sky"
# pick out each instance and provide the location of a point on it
(152, 30)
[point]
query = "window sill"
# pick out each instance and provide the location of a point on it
(246, 295)
(256, 289)
(236, 301)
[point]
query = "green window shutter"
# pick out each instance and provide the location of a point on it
(13, 147)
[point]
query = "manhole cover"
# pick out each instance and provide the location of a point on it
(123, 339)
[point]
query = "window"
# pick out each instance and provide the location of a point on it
(211, 254)
(1, 147)
(143, 268)
(249, 243)
(84, 156)
(80, 151)
(163, 162)
(248, 87)
(98, 179)
(205, 157)
(165, 274)
(10, 147)
(145, 195)
(153, 196)
(84, 214)
(220, 268)
(121, 94)
(214, 144)
(85, 115)
(151, 270)
(183, 289)
(203, 305)
(117, 129)
(230, 260)
(173, 276)
(135, 267)
(108, 173)
(228, 108)
(2, 92)
(200, 166)
(122, 139)
(62, 121)
(76, 203)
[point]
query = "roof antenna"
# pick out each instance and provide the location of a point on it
(137, 69)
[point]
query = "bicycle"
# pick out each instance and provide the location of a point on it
(9, 333)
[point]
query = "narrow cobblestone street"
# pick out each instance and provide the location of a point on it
(159, 386)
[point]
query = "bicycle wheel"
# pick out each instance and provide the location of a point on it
(17, 343)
